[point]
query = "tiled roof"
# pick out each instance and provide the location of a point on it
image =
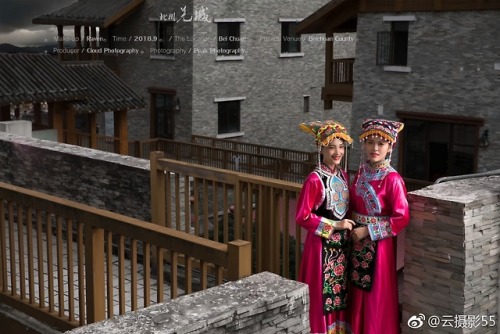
(106, 91)
(35, 77)
(87, 86)
(94, 13)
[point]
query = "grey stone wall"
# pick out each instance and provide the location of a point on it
(103, 180)
(273, 86)
(452, 56)
(452, 264)
(141, 71)
(264, 303)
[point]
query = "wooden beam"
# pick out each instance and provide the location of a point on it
(121, 131)
(94, 272)
(60, 41)
(93, 130)
(71, 127)
(56, 110)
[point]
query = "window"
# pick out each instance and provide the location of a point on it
(228, 39)
(306, 104)
(437, 146)
(162, 113)
(392, 46)
(229, 117)
(290, 40)
(164, 31)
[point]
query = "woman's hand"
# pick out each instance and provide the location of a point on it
(344, 224)
(360, 233)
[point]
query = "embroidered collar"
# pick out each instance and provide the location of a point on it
(328, 171)
(377, 172)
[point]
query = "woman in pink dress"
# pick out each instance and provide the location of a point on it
(380, 210)
(321, 207)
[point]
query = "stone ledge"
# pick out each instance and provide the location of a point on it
(248, 305)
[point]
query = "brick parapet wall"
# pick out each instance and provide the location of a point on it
(264, 303)
(103, 180)
(452, 259)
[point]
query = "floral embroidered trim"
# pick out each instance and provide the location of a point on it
(339, 327)
(325, 228)
(365, 190)
(334, 272)
(336, 191)
(379, 227)
(380, 230)
(363, 261)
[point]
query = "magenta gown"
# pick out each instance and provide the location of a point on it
(324, 263)
(378, 198)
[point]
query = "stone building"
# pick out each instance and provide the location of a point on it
(432, 64)
(226, 69)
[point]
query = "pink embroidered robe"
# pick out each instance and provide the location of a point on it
(324, 195)
(382, 193)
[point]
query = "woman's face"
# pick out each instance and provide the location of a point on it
(333, 152)
(376, 149)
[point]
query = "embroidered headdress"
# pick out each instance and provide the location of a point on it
(325, 132)
(383, 128)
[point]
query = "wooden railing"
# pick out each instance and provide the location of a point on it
(224, 205)
(343, 71)
(339, 80)
(254, 149)
(65, 263)
(267, 166)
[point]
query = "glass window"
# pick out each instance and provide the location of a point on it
(392, 46)
(165, 38)
(229, 117)
(228, 39)
(290, 40)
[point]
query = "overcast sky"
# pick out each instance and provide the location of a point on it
(15, 21)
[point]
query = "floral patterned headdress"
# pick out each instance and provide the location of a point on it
(382, 128)
(325, 132)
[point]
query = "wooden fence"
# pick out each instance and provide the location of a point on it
(224, 205)
(68, 264)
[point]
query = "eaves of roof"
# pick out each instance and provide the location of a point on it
(93, 13)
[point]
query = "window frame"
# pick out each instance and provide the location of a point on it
(234, 47)
(390, 40)
(153, 92)
(228, 100)
(285, 44)
(160, 44)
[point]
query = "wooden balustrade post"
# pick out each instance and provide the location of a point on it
(158, 199)
(239, 259)
(158, 182)
(267, 230)
(94, 274)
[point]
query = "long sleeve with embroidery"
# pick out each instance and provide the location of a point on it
(384, 198)
(312, 195)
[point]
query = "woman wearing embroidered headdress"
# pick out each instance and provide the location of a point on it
(321, 207)
(380, 210)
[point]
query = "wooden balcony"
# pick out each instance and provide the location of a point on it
(338, 81)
